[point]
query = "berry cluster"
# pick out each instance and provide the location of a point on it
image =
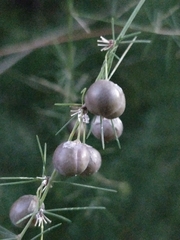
(75, 158)
(107, 102)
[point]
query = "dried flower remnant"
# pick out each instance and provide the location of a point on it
(105, 43)
(82, 115)
(41, 219)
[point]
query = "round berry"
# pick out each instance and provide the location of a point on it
(105, 98)
(71, 158)
(108, 130)
(94, 163)
(22, 207)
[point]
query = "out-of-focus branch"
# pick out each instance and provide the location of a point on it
(51, 40)
(123, 187)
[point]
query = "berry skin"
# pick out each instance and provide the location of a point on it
(105, 98)
(22, 207)
(71, 158)
(94, 163)
(108, 130)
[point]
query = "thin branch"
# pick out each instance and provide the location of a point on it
(80, 35)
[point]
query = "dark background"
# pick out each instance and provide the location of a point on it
(39, 67)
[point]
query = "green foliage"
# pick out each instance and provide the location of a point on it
(47, 58)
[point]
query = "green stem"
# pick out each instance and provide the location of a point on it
(70, 49)
(122, 57)
(84, 133)
(51, 179)
(106, 68)
(76, 125)
(70, 32)
(113, 32)
(79, 131)
(21, 235)
(49, 185)
(130, 20)
(42, 230)
(102, 132)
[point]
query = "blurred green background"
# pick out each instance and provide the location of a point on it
(48, 54)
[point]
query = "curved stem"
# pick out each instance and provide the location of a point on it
(51, 179)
